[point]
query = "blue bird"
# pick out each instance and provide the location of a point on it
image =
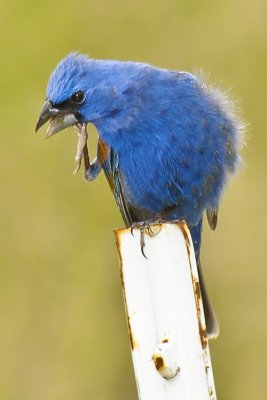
(167, 141)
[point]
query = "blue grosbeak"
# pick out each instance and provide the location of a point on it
(167, 141)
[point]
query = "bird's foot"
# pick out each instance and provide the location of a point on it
(151, 227)
(93, 170)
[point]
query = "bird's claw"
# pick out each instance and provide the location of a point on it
(150, 227)
(142, 240)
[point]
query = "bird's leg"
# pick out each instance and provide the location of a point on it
(151, 227)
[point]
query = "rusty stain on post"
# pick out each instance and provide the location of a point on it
(185, 231)
(202, 329)
(165, 360)
(159, 362)
(130, 331)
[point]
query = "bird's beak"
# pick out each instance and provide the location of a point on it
(58, 119)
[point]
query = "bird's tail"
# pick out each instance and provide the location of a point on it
(212, 324)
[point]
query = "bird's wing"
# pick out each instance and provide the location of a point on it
(110, 164)
(212, 217)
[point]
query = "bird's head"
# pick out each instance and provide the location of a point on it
(79, 90)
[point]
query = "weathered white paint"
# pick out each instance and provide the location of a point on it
(165, 315)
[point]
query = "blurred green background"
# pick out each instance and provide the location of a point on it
(63, 333)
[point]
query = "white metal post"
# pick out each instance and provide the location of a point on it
(165, 315)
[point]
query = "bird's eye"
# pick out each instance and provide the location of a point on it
(78, 97)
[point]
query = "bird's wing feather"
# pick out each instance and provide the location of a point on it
(212, 217)
(118, 191)
(110, 164)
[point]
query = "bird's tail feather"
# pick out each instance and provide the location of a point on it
(212, 324)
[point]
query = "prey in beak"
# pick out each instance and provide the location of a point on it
(58, 119)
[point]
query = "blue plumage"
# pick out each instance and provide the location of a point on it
(170, 141)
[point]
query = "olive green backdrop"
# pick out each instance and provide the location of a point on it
(63, 333)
